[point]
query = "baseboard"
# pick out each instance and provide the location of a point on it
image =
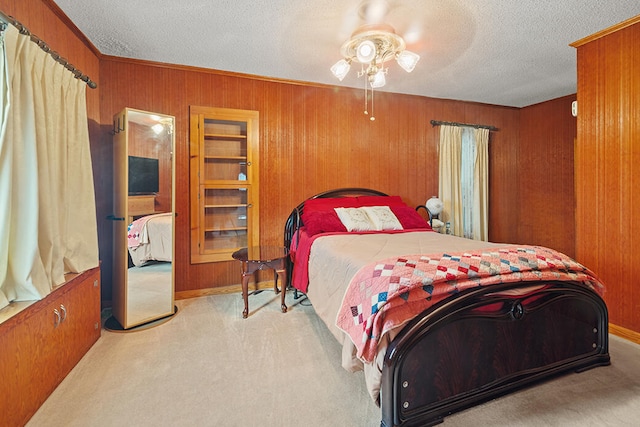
(627, 334)
(232, 289)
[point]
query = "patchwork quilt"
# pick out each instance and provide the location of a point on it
(137, 232)
(386, 294)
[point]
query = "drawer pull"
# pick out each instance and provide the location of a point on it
(56, 320)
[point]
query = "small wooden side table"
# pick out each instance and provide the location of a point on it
(257, 258)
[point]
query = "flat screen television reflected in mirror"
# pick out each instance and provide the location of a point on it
(143, 175)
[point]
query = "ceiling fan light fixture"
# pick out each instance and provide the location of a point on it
(373, 45)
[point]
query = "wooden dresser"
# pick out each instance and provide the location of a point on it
(42, 343)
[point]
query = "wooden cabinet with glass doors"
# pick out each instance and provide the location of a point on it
(224, 182)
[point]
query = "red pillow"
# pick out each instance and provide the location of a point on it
(316, 222)
(380, 201)
(328, 203)
(409, 218)
(319, 216)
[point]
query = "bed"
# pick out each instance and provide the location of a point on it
(149, 238)
(439, 323)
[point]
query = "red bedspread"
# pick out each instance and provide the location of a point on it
(388, 293)
(299, 252)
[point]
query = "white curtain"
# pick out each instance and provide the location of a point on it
(463, 180)
(467, 176)
(449, 177)
(47, 205)
(480, 218)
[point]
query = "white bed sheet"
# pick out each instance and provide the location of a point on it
(158, 241)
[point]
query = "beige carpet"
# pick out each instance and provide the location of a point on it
(209, 367)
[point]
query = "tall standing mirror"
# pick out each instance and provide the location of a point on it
(143, 276)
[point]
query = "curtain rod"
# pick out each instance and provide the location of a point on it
(44, 46)
(438, 123)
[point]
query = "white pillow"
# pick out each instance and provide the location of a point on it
(355, 219)
(382, 218)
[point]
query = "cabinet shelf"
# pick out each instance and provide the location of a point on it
(244, 205)
(215, 182)
(223, 136)
(241, 158)
(216, 229)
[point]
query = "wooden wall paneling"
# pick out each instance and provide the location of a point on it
(629, 131)
(606, 173)
(587, 159)
(318, 140)
(610, 176)
(429, 149)
(610, 185)
(276, 149)
(285, 137)
(504, 176)
(307, 144)
(9, 7)
(546, 188)
(178, 100)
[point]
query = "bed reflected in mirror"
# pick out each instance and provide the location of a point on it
(143, 277)
(149, 273)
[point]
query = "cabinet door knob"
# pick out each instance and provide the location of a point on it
(248, 163)
(63, 309)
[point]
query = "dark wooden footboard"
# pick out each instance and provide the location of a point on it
(476, 347)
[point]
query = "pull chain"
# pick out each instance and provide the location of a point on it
(372, 118)
(366, 98)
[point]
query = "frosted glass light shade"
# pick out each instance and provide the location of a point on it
(340, 69)
(378, 80)
(408, 60)
(366, 51)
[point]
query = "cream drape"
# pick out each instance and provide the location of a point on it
(480, 218)
(450, 159)
(47, 205)
(450, 184)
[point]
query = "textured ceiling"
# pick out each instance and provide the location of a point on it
(504, 52)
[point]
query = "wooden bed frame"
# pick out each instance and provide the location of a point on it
(477, 346)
